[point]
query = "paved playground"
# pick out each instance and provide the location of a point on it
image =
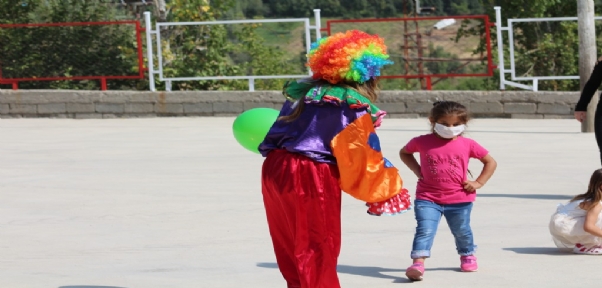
(176, 202)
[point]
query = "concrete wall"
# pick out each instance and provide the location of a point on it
(399, 104)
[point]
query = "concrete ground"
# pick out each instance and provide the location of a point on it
(176, 202)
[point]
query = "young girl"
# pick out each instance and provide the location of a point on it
(322, 143)
(443, 188)
(578, 224)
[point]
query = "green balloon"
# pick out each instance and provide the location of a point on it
(251, 127)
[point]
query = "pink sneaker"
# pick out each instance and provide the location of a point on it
(415, 271)
(469, 263)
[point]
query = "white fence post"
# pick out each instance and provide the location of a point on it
(159, 51)
(307, 40)
(251, 84)
(318, 25)
(500, 46)
(500, 51)
(149, 51)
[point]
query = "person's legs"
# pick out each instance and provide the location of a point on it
(318, 237)
(598, 127)
(303, 206)
(458, 219)
(280, 210)
(428, 215)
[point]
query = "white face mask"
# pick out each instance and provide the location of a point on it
(449, 132)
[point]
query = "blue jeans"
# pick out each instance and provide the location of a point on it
(428, 214)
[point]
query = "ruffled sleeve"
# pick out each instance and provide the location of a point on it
(365, 174)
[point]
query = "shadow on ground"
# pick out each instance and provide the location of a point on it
(540, 251)
(375, 272)
(369, 271)
(485, 131)
(527, 196)
(89, 286)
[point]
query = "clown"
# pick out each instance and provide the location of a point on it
(324, 142)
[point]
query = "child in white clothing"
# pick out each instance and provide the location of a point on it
(578, 224)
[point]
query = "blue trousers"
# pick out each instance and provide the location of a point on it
(428, 214)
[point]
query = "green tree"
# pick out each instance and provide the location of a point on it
(476, 7)
(460, 8)
(438, 4)
(190, 51)
(251, 8)
(541, 49)
(64, 51)
(261, 59)
(218, 50)
(442, 67)
(13, 39)
(330, 8)
(335, 8)
(16, 11)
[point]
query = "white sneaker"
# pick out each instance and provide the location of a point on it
(580, 249)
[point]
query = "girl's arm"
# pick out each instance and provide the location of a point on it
(590, 220)
(410, 161)
(489, 166)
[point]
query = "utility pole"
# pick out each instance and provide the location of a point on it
(409, 54)
(587, 55)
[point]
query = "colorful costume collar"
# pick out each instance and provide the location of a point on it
(333, 94)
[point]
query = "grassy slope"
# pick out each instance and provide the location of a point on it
(290, 36)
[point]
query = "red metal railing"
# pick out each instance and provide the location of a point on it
(427, 78)
(102, 78)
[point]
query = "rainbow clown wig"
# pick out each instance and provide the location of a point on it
(353, 56)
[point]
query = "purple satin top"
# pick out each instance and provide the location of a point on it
(311, 133)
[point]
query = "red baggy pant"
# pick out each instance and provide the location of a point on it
(302, 200)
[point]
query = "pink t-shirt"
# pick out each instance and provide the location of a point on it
(444, 167)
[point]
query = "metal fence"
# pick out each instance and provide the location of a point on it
(159, 71)
(422, 46)
(414, 50)
(511, 43)
(42, 53)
